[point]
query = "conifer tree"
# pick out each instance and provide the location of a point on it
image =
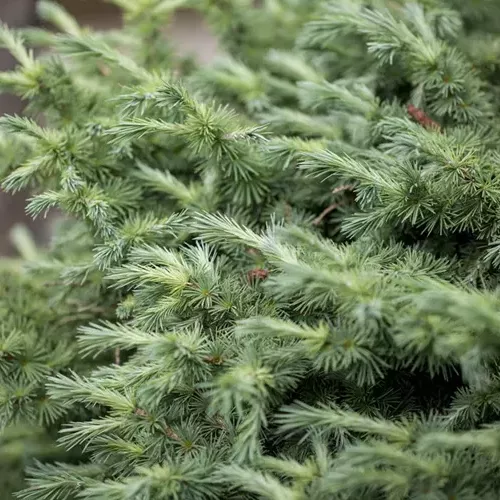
(277, 277)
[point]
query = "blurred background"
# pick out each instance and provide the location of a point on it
(187, 31)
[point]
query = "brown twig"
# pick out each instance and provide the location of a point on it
(104, 70)
(220, 422)
(333, 206)
(421, 117)
(141, 413)
(345, 187)
(171, 434)
(257, 274)
(118, 359)
(214, 360)
(325, 212)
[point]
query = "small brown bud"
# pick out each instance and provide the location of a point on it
(421, 117)
(257, 274)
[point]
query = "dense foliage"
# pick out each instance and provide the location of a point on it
(277, 276)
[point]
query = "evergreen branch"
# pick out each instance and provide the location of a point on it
(305, 472)
(230, 76)
(326, 164)
(445, 76)
(185, 480)
(29, 128)
(59, 481)
(38, 37)
(258, 483)
(175, 278)
(359, 99)
(292, 66)
(291, 121)
(90, 47)
(301, 417)
(139, 128)
(81, 389)
(218, 228)
(176, 96)
(22, 176)
(15, 45)
(165, 182)
(316, 337)
(84, 434)
(58, 16)
(285, 151)
(97, 338)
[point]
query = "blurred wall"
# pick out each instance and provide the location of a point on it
(188, 32)
(14, 13)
